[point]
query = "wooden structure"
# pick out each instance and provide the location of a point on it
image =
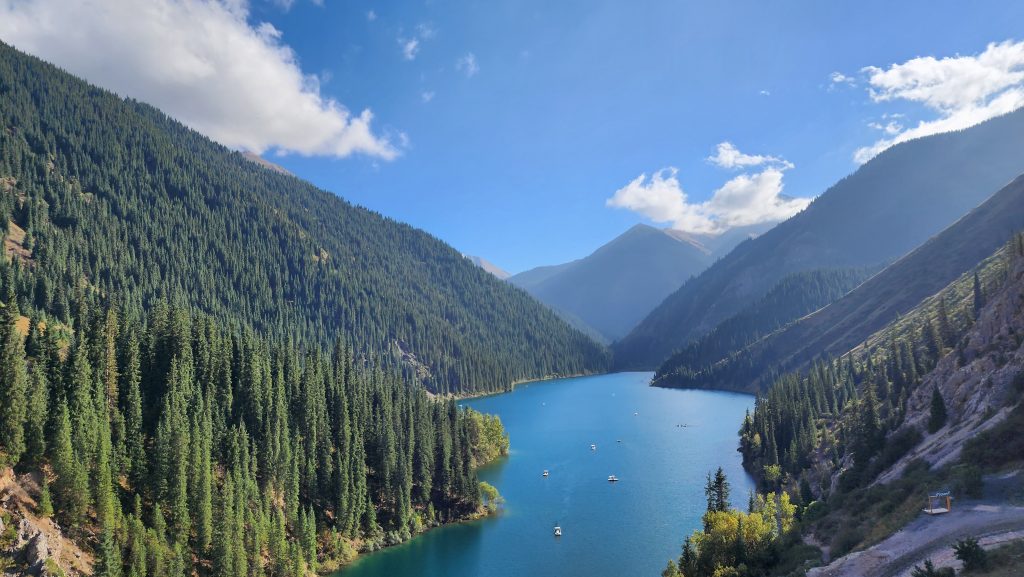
(939, 503)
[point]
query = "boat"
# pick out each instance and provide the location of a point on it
(593, 447)
(558, 531)
(613, 479)
(618, 440)
(545, 472)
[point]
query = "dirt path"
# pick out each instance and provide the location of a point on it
(928, 537)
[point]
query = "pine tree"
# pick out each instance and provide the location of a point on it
(721, 491)
(45, 507)
(937, 417)
(13, 387)
(37, 414)
(72, 486)
(868, 434)
(135, 441)
(108, 556)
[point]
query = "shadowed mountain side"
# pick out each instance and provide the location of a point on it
(839, 327)
(614, 287)
(887, 207)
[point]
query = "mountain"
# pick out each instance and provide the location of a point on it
(887, 207)
(843, 451)
(489, 267)
(117, 199)
(794, 296)
(840, 326)
(615, 286)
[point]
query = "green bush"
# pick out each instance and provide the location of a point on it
(967, 481)
(999, 445)
(815, 511)
(929, 570)
(971, 554)
(846, 540)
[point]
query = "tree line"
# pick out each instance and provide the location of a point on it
(172, 445)
(716, 361)
(113, 196)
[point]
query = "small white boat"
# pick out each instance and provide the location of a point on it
(545, 472)
(636, 414)
(558, 531)
(618, 441)
(613, 479)
(593, 447)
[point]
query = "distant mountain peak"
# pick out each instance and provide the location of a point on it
(253, 157)
(488, 266)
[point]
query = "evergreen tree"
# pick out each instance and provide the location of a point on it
(937, 416)
(37, 415)
(13, 387)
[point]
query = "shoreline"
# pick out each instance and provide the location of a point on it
(512, 386)
(483, 513)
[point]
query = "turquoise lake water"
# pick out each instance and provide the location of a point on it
(624, 529)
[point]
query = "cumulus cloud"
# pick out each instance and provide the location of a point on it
(728, 156)
(427, 95)
(746, 199)
(467, 65)
(960, 90)
(200, 61)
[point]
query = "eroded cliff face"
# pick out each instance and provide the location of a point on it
(30, 544)
(979, 379)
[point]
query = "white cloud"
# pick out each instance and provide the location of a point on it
(427, 95)
(371, 16)
(765, 93)
(201, 62)
(837, 79)
(728, 156)
(467, 65)
(961, 90)
(410, 47)
(744, 200)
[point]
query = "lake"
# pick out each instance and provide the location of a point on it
(629, 528)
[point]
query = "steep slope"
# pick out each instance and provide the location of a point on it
(489, 266)
(842, 325)
(946, 376)
(887, 207)
(118, 198)
(615, 286)
(794, 296)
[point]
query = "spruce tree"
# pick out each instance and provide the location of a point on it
(979, 295)
(937, 417)
(13, 387)
(37, 415)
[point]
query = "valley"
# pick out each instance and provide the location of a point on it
(736, 293)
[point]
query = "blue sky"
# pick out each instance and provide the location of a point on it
(515, 157)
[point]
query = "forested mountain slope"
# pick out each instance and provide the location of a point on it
(611, 289)
(887, 207)
(839, 327)
(171, 445)
(794, 296)
(935, 392)
(116, 197)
